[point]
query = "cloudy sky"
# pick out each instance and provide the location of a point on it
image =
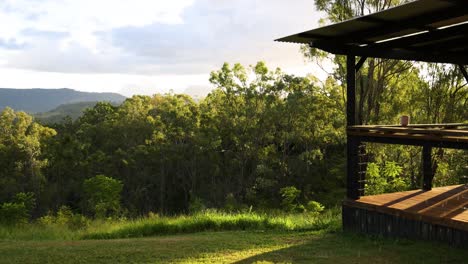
(144, 46)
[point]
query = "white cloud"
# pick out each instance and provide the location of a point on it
(218, 31)
(146, 46)
(84, 17)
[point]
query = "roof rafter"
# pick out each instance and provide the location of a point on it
(436, 35)
(422, 30)
(390, 27)
(376, 52)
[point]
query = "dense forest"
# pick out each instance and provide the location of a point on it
(261, 139)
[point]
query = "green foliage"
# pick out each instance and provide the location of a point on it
(65, 218)
(77, 222)
(28, 199)
(22, 142)
(64, 214)
(47, 220)
(231, 203)
(60, 114)
(13, 214)
(385, 178)
(391, 169)
(196, 205)
(314, 207)
(103, 195)
(290, 201)
(257, 132)
(19, 210)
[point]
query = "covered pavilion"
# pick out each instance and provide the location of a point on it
(427, 31)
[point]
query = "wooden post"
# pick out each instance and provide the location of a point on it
(351, 90)
(427, 168)
(352, 142)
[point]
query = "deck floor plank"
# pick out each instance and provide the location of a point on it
(443, 205)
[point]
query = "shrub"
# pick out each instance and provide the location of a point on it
(299, 208)
(47, 220)
(231, 203)
(78, 221)
(28, 199)
(64, 215)
(19, 210)
(13, 213)
(385, 177)
(102, 195)
(196, 205)
(65, 218)
(290, 196)
(314, 207)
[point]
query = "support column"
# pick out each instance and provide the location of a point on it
(351, 90)
(463, 71)
(352, 142)
(427, 168)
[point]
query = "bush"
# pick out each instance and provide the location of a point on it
(78, 221)
(299, 208)
(47, 220)
(64, 215)
(314, 207)
(196, 205)
(102, 195)
(65, 218)
(28, 199)
(290, 197)
(231, 203)
(13, 213)
(19, 210)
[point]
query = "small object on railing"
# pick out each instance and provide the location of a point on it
(404, 120)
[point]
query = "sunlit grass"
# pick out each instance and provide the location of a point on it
(155, 225)
(234, 247)
(217, 221)
(214, 237)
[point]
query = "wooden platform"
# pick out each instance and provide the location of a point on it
(444, 135)
(440, 214)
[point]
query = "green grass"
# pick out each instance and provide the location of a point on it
(155, 225)
(203, 238)
(216, 221)
(233, 247)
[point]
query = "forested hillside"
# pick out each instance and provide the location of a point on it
(260, 138)
(59, 114)
(43, 100)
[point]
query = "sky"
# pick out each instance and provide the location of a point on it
(145, 46)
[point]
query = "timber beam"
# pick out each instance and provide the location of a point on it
(463, 71)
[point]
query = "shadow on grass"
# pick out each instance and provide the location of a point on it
(353, 248)
(229, 247)
(213, 247)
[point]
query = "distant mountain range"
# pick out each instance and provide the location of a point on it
(45, 100)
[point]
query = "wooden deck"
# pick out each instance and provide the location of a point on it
(440, 214)
(446, 206)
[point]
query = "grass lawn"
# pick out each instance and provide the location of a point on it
(232, 246)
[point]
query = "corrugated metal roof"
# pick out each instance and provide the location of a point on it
(423, 30)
